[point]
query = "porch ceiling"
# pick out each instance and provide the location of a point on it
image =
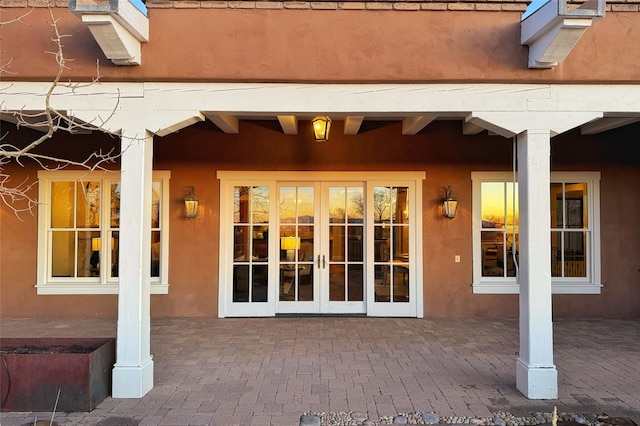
(411, 125)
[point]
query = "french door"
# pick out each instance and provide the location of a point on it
(322, 250)
(308, 243)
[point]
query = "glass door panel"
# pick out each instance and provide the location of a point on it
(250, 244)
(343, 218)
(391, 247)
(297, 289)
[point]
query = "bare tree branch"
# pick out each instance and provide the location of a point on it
(5, 64)
(18, 197)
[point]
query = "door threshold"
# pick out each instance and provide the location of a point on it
(321, 315)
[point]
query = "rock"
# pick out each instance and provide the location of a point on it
(400, 420)
(310, 421)
(576, 418)
(431, 418)
(499, 422)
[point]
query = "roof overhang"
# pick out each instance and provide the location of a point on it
(552, 28)
(119, 27)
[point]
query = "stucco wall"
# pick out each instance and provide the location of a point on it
(195, 154)
(303, 45)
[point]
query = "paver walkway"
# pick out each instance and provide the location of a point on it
(269, 371)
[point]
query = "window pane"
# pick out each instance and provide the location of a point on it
(156, 202)
(115, 253)
(492, 253)
(260, 243)
(355, 249)
(96, 253)
(287, 283)
(400, 284)
(512, 204)
(62, 253)
(115, 205)
(355, 205)
(241, 283)
(356, 283)
(574, 254)
(240, 243)
(381, 205)
(393, 206)
(556, 254)
(513, 250)
(337, 205)
(382, 283)
(557, 213)
(88, 204)
(401, 243)
(382, 246)
(287, 205)
(260, 204)
(62, 204)
(289, 243)
(305, 233)
(260, 280)
(336, 243)
(85, 254)
(337, 284)
(493, 204)
(305, 205)
(155, 254)
(402, 205)
(576, 205)
(240, 204)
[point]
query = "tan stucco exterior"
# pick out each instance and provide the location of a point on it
(195, 154)
(303, 45)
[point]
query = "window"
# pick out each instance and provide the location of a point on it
(574, 239)
(79, 233)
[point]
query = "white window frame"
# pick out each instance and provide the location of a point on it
(47, 285)
(591, 284)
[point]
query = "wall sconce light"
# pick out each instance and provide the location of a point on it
(191, 205)
(290, 244)
(321, 127)
(449, 204)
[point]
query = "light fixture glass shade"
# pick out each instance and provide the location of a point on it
(321, 128)
(191, 205)
(96, 243)
(449, 205)
(290, 244)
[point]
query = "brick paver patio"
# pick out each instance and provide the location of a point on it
(269, 371)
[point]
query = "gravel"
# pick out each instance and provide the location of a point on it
(420, 418)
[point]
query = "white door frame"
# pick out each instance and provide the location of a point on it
(230, 179)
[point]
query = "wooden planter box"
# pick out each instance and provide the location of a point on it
(33, 369)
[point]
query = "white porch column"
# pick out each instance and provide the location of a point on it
(133, 371)
(536, 375)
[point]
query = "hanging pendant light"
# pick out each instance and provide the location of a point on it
(321, 128)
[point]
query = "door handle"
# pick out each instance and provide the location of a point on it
(318, 261)
(324, 262)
